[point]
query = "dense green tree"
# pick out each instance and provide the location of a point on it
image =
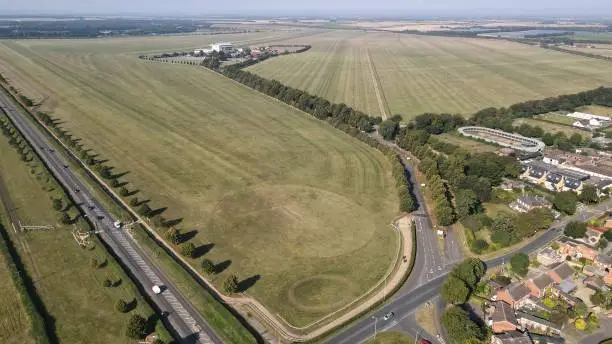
(575, 229)
(501, 238)
(520, 263)
(455, 291)
(565, 201)
(136, 327)
(64, 218)
(460, 328)
(444, 214)
(466, 203)
(230, 285)
(575, 139)
(124, 192)
(144, 210)
(504, 223)
(536, 220)
(589, 194)
(134, 201)
(388, 129)
(173, 235)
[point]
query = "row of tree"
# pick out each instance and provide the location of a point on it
(456, 290)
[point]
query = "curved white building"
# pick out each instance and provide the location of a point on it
(502, 138)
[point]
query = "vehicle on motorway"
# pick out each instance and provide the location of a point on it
(424, 341)
(51, 150)
(388, 316)
(76, 188)
(117, 224)
(156, 289)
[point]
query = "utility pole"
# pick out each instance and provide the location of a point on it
(416, 337)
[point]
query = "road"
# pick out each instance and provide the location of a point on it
(424, 284)
(183, 319)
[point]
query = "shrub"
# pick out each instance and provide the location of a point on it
(208, 266)
(121, 306)
(107, 283)
(136, 327)
(580, 324)
(478, 246)
(188, 249)
(520, 263)
(230, 285)
(134, 201)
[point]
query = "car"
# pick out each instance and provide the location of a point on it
(424, 341)
(388, 316)
(65, 166)
(51, 150)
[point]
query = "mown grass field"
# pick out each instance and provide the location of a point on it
(431, 74)
(283, 199)
(71, 290)
(600, 49)
(14, 322)
(467, 144)
(553, 128)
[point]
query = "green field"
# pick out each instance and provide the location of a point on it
(391, 338)
(557, 118)
(14, 322)
(71, 290)
(600, 49)
(466, 143)
(604, 37)
(552, 127)
(289, 202)
(420, 74)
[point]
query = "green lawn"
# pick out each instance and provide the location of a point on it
(467, 143)
(71, 290)
(552, 127)
(420, 74)
(557, 118)
(391, 338)
(281, 198)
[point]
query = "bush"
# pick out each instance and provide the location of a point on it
(188, 249)
(107, 283)
(501, 238)
(121, 306)
(136, 327)
(173, 235)
(208, 266)
(580, 324)
(230, 285)
(478, 246)
(575, 229)
(134, 201)
(64, 218)
(124, 192)
(57, 204)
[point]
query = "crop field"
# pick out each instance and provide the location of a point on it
(557, 118)
(600, 49)
(467, 144)
(70, 288)
(596, 110)
(418, 74)
(603, 37)
(291, 205)
(14, 322)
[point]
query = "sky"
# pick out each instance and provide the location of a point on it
(501, 8)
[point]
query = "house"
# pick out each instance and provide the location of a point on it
(541, 339)
(569, 299)
(595, 283)
(527, 203)
(548, 256)
(554, 181)
(566, 286)
(561, 272)
(219, 47)
(514, 294)
(530, 322)
(503, 319)
(538, 285)
(580, 124)
(576, 249)
(590, 270)
(603, 261)
(588, 116)
(513, 337)
(592, 236)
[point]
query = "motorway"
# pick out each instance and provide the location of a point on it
(426, 279)
(182, 319)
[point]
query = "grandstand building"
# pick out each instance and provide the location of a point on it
(504, 139)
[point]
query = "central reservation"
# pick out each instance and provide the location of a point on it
(290, 204)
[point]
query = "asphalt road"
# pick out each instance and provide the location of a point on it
(183, 319)
(425, 282)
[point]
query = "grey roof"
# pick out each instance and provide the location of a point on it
(604, 259)
(503, 312)
(518, 290)
(595, 281)
(536, 172)
(513, 337)
(564, 270)
(547, 339)
(573, 174)
(544, 322)
(542, 281)
(554, 177)
(534, 201)
(602, 184)
(566, 286)
(571, 183)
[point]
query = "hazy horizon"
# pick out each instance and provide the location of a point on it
(382, 8)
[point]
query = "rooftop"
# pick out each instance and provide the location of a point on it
(513, 337)
(534, 201)
(566, 286)
(564, 270)
(518, 290)
(522, 315)
(503, 312)
(542, 281)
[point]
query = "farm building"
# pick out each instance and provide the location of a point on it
(588, 116)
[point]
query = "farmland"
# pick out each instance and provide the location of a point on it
(599, 49)
(553, 128)
(71, 290)
(284, 201)
(14, 323)
(419, 74)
